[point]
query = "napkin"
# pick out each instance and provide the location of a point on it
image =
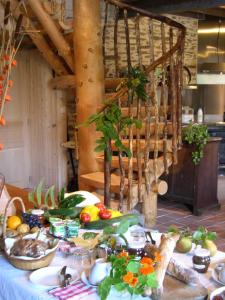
(75, 291)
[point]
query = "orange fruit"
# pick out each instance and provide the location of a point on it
(13, 222)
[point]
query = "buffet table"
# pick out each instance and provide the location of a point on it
(15, 284)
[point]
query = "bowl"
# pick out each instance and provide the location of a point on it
(217, 292)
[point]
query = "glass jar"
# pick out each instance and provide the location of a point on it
(201, 260)
(40, 214)
(137, 242)
(83, 259)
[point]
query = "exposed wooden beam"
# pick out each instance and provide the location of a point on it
(68, 82)
(63, 82)
(64, 49)
(39, 41)
(171, 6)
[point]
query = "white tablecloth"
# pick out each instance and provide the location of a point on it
(15, 284)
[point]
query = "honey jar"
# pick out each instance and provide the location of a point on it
(201, 260)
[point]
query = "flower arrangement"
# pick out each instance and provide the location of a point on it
(130, 274)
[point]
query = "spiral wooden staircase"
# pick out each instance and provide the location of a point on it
(135, 181)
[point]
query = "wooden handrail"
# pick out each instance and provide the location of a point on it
(143, 12)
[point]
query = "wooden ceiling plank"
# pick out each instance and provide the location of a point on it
(39, 41)
(64, 49)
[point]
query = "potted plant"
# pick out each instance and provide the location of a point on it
(197, 135)
(129, 277)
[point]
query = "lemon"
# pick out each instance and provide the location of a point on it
(93, 211)
(115, 213)
(13, 222)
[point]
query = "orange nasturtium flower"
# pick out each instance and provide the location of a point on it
(123, 254)
(146, 260)
(147, 269)
(134, 282)
(1, 147)
(130, 279)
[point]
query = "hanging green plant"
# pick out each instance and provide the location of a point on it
(197, 135)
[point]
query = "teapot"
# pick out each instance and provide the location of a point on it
(99, 271)
(220, 270)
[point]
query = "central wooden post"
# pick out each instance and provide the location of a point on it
(89, 72)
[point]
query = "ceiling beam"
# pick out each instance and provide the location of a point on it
(172, 6)
(217, 12)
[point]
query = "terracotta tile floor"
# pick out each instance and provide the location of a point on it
(173, 213)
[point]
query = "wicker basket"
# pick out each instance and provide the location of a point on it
(24, 264)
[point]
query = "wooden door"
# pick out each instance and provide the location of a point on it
(36, 127)
(14, 159)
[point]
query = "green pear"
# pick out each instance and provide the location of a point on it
(184, 244)
(210, 245)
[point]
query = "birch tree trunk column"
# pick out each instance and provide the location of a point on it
(89, 77)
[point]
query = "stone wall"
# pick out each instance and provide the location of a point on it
(191, 43)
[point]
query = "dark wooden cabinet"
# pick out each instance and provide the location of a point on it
(193, 185)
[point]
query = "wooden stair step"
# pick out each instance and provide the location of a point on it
(115, 162)
(96, 180)
(143, 144)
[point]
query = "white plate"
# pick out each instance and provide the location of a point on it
(215, 277)
(217, 292)
(49, 277)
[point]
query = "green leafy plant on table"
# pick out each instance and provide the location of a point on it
(66, 207)
(130, 275)
(36, 196)
(196, 135)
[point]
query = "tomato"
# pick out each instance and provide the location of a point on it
(100, 206)
(105, 214)
(85, 218)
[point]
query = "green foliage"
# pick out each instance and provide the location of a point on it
(137, 82)
(71, 201)
(111, 123)
(184, 232)
(104, 288)
(202, 234)
(35, 197)
(197, 135)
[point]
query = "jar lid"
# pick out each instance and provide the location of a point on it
(37, 212)
(136, 245)
(201, 252)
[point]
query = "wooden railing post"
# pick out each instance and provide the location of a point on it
(89, 77)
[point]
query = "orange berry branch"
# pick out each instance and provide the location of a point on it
(11, 39)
